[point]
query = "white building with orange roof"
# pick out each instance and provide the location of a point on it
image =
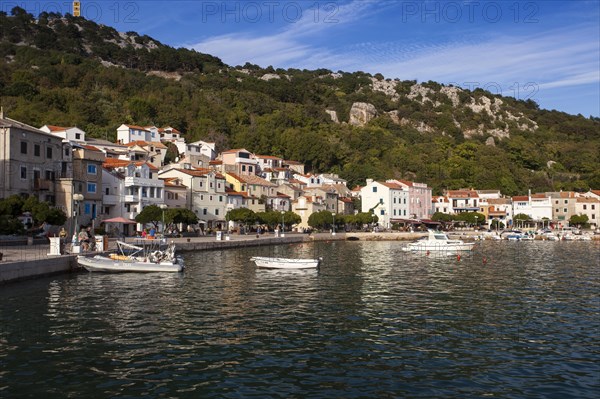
(206, 197)
(269, 161)
(140, 187)
(305, 206)
(239, 161)
(175, 192)
(389, 201)
(590, 207)
(419, 204)
(463, 201)
(309, 180)
(441, 204)
(537, 206)
(592, 194)
(153, 152)
(281, 202)
(128, 133)
(66, 133)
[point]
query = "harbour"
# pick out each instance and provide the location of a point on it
(372, 321)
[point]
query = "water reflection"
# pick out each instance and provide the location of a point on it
(511, 319)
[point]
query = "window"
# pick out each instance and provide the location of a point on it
(593, 207)
(24, 172)
(243, 168)
(382, 212)
(23, 147)
(374, 189)
(566, 202)
(381, 200)
(77, 136)
(36, 150)
(217, 211)
(67, 153)
(220, 198)
(249, 168)
(49, 152)
(584, 207)
(91, 187)
(87, 208)
(91, 169)
(565, 210)
(204, 211)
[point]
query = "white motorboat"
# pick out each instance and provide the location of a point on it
(145, 259)
(438, 241)
(285, 263)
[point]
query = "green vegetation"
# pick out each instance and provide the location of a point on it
(41, 212)
(72, 72)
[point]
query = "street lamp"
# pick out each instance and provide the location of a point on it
(333, 226)
(476, 217)
(77, 198)
(282, 224)
(163, 207)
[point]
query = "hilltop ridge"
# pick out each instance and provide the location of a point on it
(69, 71)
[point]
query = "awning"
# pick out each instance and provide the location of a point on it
(119, 219)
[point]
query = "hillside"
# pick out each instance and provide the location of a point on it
(73, 72)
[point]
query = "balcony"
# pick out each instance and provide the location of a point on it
(132, 198)
(110, 199)
(43, 184)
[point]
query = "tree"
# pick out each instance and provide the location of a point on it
(180, 215)
(580, 221)
(150, 214)
(242, 215)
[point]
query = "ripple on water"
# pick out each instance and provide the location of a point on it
(516, 320)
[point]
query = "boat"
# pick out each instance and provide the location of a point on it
(133, 258)
(285, 263)
(512, 235)
(438, 241)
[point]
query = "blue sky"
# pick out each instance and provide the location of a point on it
(548, 51)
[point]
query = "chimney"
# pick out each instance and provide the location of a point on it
(1, 112)
(369, 181)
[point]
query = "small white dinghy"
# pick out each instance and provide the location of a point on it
(285, 263)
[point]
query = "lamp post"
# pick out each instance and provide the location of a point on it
(163, 207)
(282, 224)
(333, 225)
(77, 198)
(476, 217)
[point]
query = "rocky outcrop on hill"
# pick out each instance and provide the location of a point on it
(333, 115)
(362, 113)
(386, 87)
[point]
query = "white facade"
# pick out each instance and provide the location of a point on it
(74, 134)
(388, 201)
(128, 133)
(537, 207)
(589, 207)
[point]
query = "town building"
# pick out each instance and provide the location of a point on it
(389, 201)
(30, 162)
